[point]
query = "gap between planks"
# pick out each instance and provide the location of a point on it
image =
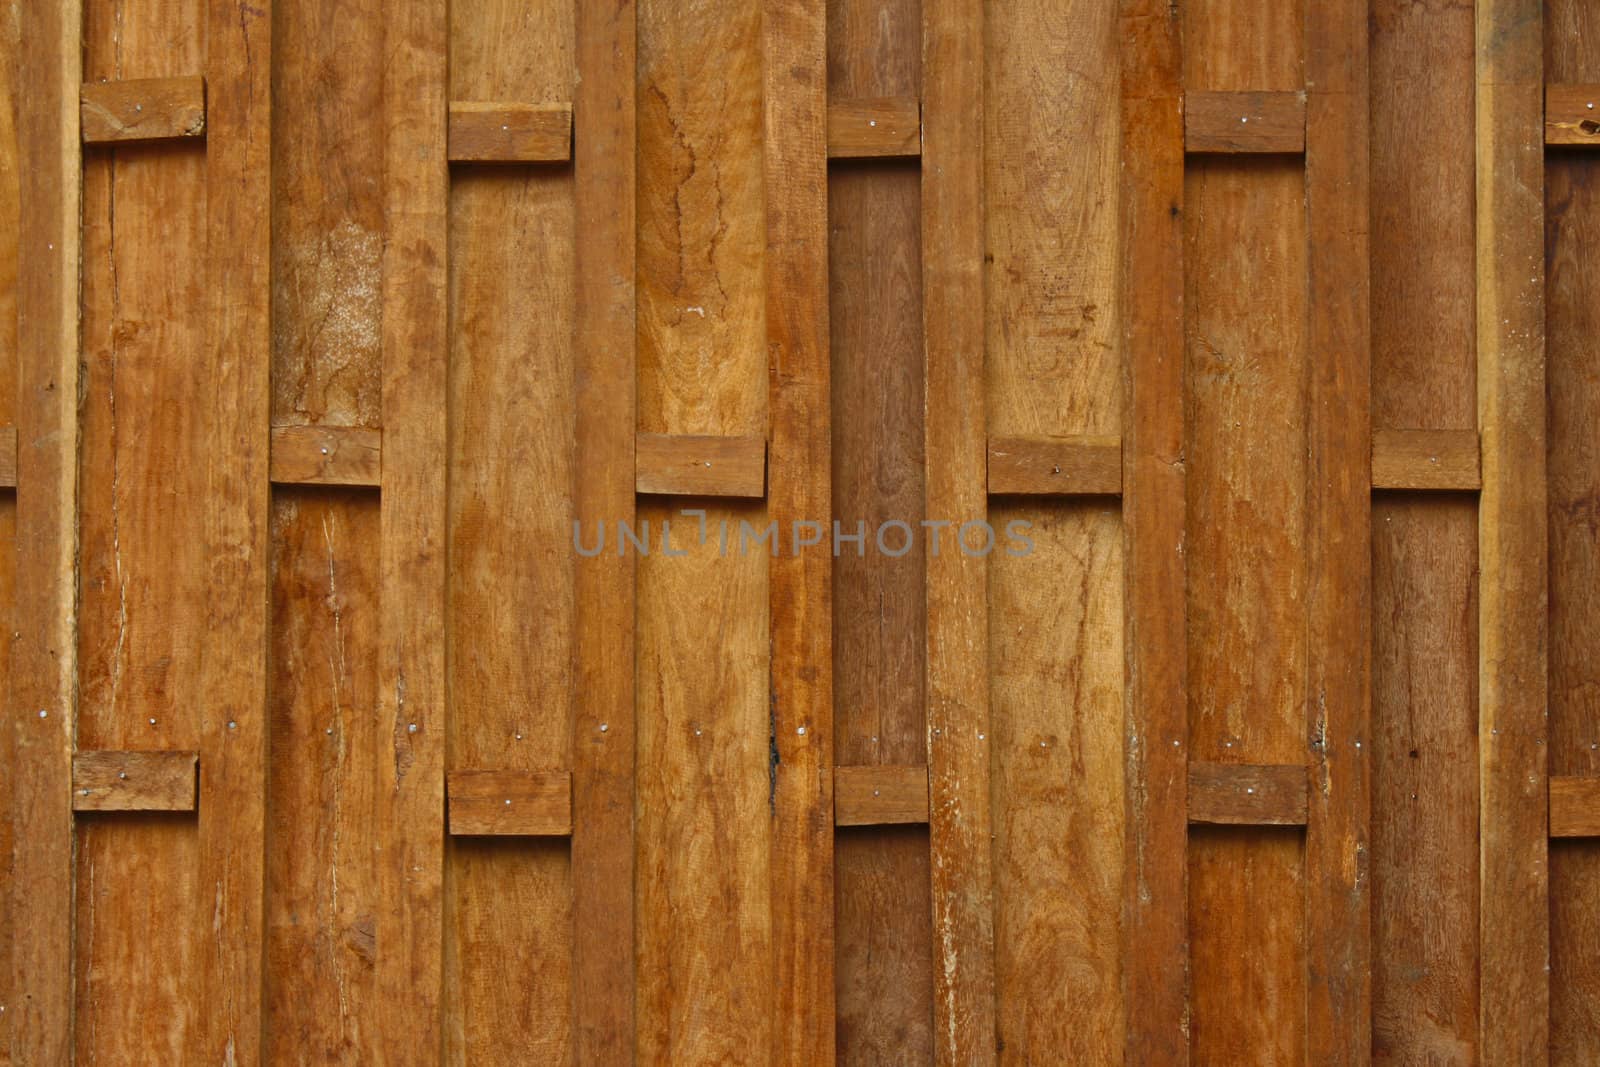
(140, 110)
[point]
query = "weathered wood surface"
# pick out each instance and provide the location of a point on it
(488, 132)
(134, 781)
(880, 794)
(1241, 794)
(1229, 123)
(1056, 466)
(1426, 460)
(137, 110)
(701, 465)
(885, 127)
(326, 455)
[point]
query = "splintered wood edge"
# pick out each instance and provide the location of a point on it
(509, 803)
(697, 465)
(1437, 460)
(1574, 806)
(490, 132)
(8, 457)
(326, 455)
(1055, 466)
(1572, 115)
(135, 110)
(888, 127)
(1230, 123)
(1237, 794)
(135, 781)
(880, 795)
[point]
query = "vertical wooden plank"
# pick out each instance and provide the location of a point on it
(413, 708)
(10, 223)
(43, 685)
(1339, 538)
(1512, 534)
(1155, 892)
(606, 376)
(957, 593)
(800, 589)
(1053, 362)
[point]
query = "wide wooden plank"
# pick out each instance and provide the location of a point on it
(1235, 122)
(1514, 921)
(44, 651)
(143, 109)
(885, 127)
(510, 803)
(1056, 466)
(326, 455)
(604, 588)
(671, 464)
(879, 794)
(1574, 806)
(8, 457)
(412, 533)
(489, 132)
(1425, 460)
(1571, 114)
(134, 781)
(1243, 794)
(958, 638)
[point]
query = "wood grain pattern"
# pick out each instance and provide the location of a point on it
(701, 465)
(1244, 122)
(1241, 794)
(1514, 920)
(1571, 114)
(1425, 460)
(510, 803)
(326, 455)
(1155, 941)
(487, 132)
(134, 781)
(1054, 466)
(10, 225)
(886, 127)
(959, 753)
(1574, 806)
(140, 110)
(880, 794)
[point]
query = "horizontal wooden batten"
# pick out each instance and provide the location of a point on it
(8, 457)
(138, 110)
(1234, 123)
(1572, 115)
(1241, 794)
(509, 803)
(485, 132)
(135, 781)
(886, 127)
(698, 465)
(1574, 806)
(1055, 466)
(326, 455)
(880, 795)
(1426, 460)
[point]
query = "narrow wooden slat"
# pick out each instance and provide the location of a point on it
(44, 659)
(485, 132)
(134, 781)
(701, 465)
(8, 457)
(606, 399)
(1055, 466)
(326, 455)
(1514, 907)
(233, 729)
(1155, 944)
(1574, 806)
(510, 803)
(144, 109)
(957, 591)
(1338, 538)
(886, 127)
(1242, 794)
(794, 163)
(412, 534)
(880, 795)
(1572, 115)
(1425, 460)
(1228, 123)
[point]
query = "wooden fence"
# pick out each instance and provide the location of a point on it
(1269, 326)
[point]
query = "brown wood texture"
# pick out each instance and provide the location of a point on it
(1056, 466)
(10, 227)
(1572, 234)
(880, 794)
(1241, 794)
(1570, 113)
(1574, 806)
(8, 457)
(701, 465)
(137, 110)
(884, 127)
(326, 455)
(1426, 460)
(487, 132)
(1228, 123)
(509, 803)
(1514, 917)
(134, 781)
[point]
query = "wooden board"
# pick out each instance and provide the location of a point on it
(1425, 460)
(1570, 114)
(326, 455)
(701, 464)
(509, 803)
(8, 457)
(1574, 806)
(1055, 466)
(1243, 122)
(487, 132)
(1241, 794)
(138, 110)
(134, 781)
(880, 794)
(885, 127)
(10, 225)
